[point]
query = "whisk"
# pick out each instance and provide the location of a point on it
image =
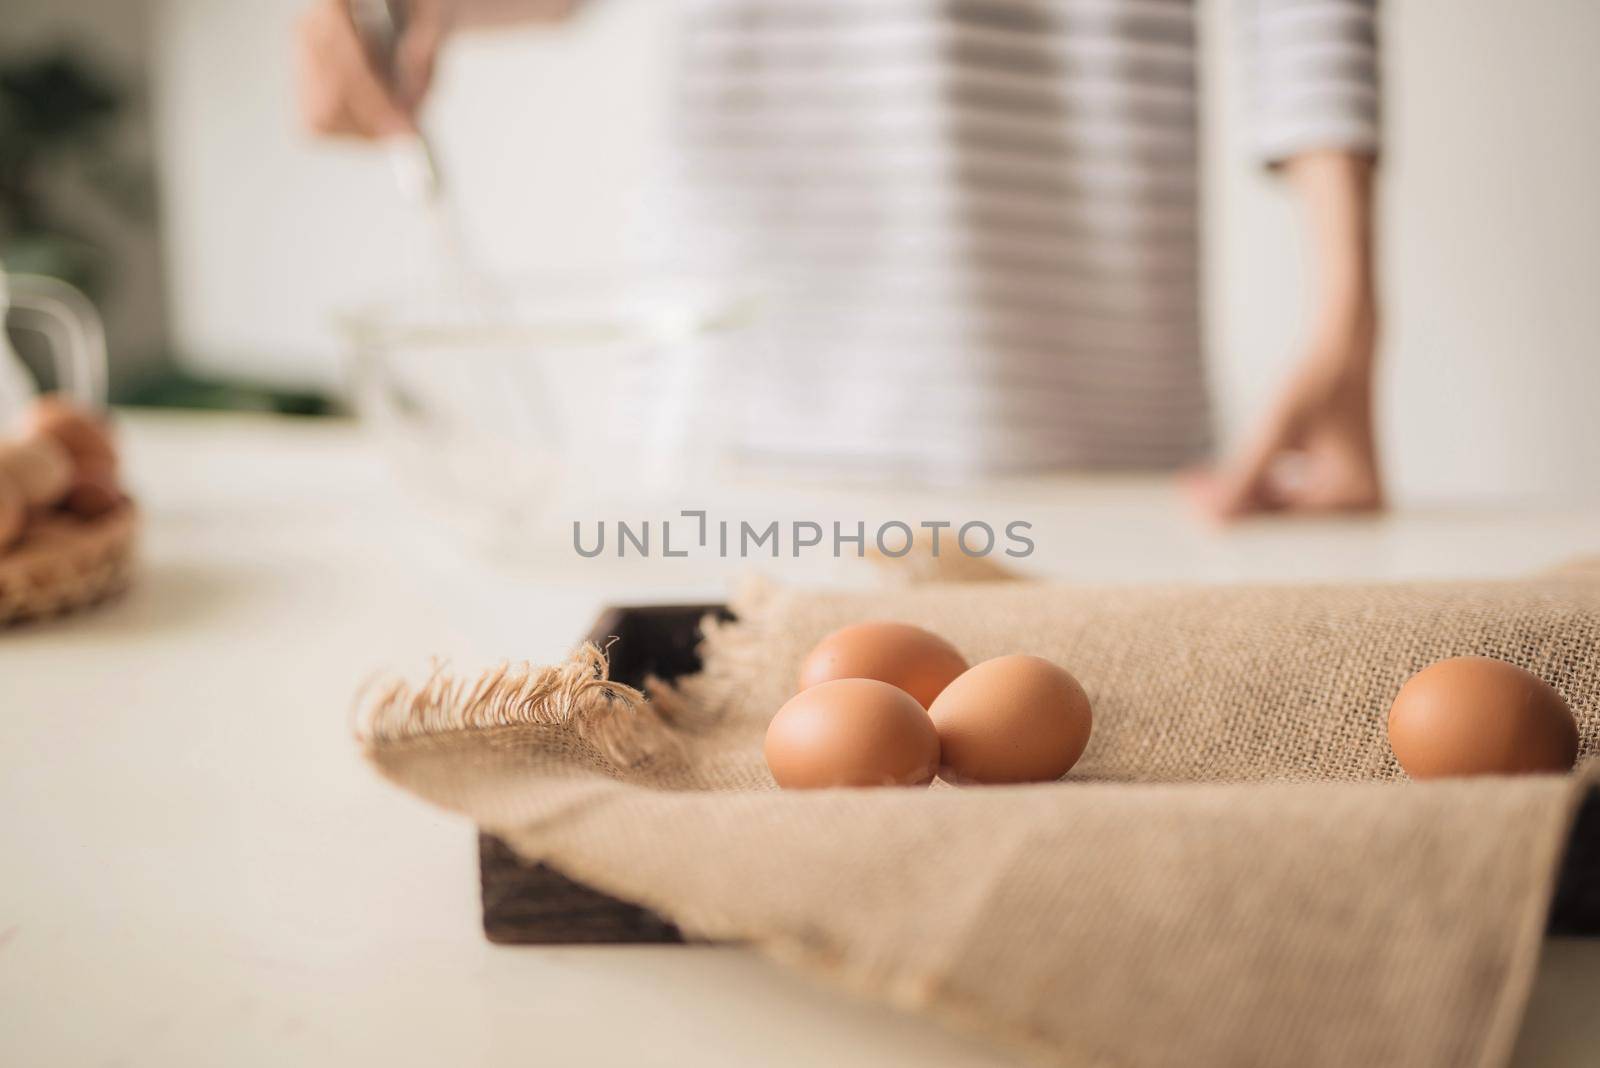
(382, 25)
(447, 270)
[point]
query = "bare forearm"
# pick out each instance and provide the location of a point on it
(1336, 189)
(1323, 418)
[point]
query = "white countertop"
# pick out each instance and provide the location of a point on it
(199, 869)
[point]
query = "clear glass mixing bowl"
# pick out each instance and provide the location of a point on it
(517, 409)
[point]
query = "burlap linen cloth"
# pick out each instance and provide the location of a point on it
(1236, 872)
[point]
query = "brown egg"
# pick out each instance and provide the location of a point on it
(39, 467)
(81, 433)
(918, 661)
(13, 512)
(1472, 715)
(94, 491)
(1011, 719)
(852, 732)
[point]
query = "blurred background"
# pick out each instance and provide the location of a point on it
(152, 156)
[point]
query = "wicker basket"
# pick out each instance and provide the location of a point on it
(64, 563)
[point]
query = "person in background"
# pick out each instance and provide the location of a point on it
(988, 213)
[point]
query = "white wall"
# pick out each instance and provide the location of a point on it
(1491, 246)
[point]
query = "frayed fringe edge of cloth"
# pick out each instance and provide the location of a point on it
(577, 692)
(623, 723)
(731, 653)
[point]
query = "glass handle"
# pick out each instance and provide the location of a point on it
(69, 321)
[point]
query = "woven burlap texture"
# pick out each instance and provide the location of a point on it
(1236, 872)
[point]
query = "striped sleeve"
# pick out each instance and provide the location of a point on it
(1314, 67)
